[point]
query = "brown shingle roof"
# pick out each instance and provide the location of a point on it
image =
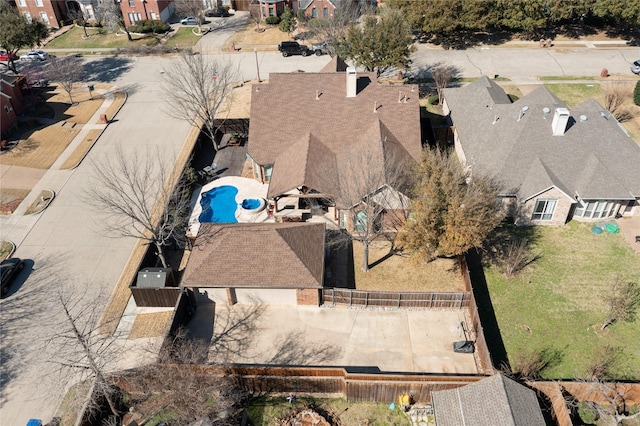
(294, 105)
(496, 400)
(288, 255)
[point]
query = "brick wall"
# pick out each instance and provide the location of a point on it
(308, 296)
(560, 214)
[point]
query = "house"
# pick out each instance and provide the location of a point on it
(11, 100)
(318, 8)
(265, 262)
(326, 141)
(556, 163)
(272, 7)
(137, 10)
(49, 12)
(496, 400)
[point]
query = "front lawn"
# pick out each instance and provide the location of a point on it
(183, 38)
(98, 38)
(555, 305)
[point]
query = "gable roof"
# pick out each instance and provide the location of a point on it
(336, 64)
(287, 255)
(593, 159)
(313, 109)
(304, 4)
(496, 400)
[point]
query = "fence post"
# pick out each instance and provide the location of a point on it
(350, 297)
(431, 301)
(399, 297)
(366, 299)
(333, 297)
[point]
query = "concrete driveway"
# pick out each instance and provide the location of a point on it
(371, 340)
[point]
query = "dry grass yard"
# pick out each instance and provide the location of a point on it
(249, 36)
(41, 148)
(399, 273)
(150, 325)
(82, 149)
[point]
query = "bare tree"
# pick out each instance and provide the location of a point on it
(332, 28)
(195, 90)
(623, 300)
(143, 197)
(255, 14)
(110, 12)
(517, 255)
(81, 352)
(615, 95)
(66, 71)
(610, 401)
(370, 188)
(442, 75)
(195, 8)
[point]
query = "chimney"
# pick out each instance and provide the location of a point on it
(560, 120)
(352, 80)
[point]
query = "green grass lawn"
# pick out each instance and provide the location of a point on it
(184, 37)
(573, 94)
(99, 38)
(556, 304)
(265, 411)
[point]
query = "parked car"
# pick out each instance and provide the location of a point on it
(189, 20)
(35, 55)
(9, 268)
(293, 48)
(217, 13)
(4, 55)
(320, 48)
(635, 67)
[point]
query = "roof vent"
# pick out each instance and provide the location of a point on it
(560, 121)
(522, 111)
(583, 118)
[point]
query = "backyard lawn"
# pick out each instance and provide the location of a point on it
(266, 411)
(556, 304)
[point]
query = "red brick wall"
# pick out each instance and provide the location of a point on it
(55, 11)
(319, 5)
(308, 296)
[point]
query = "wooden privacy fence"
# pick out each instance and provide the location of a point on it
(354, 387)
(393, 299)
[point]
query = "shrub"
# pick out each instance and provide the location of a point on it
(63, 22)
(433, 99)
(636, 94)
(272, 20)
(149, 26)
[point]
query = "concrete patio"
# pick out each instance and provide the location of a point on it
(369, 340)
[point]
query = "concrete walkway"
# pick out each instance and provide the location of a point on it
(630, 228)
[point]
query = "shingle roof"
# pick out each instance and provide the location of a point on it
(496, 400)
(304, 4)
(313, 107)
(336, 64)
(287, 255)
(594, 158)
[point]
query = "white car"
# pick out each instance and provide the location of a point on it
(35, 55)
(635, 67)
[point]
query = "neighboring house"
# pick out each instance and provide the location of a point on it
(49, 12)
(496, 400)
(322, 9)
(11, 100)
(310, 134)
(258, 262)
(556, 163)
(138, 10)
(272, 7)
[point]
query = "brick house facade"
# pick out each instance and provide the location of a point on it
(11, 101)
(49, 12)
(137, 10)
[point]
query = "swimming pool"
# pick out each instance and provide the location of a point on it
(219, 205)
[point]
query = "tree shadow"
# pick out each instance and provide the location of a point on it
(107, 69)
(235, 330)
(294, 348)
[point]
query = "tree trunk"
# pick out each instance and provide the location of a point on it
(163, 260)
(126, 30)
(70, 98)
(365, 255)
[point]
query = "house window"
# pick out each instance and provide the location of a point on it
(325, 12)
(595, 209)
(22, 3)
(314, 13)
(39, 3)
(267, 173)
(264, 11)
(134, 17)
(543, 209)
(154, 16)
(361, 221)
(89, 10)
(132, 3)
(44, 18)
(27, 16)
(343, 221)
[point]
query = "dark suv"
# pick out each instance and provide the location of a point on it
(293, 48)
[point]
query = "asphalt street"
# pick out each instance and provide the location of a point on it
(65, 247)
